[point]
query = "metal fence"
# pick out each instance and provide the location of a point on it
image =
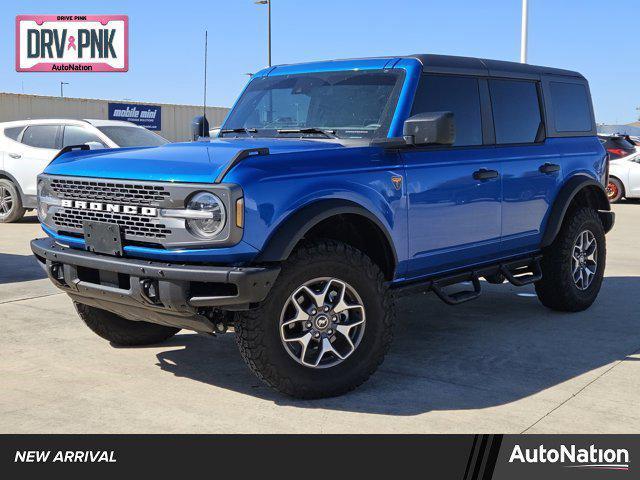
(176, 119)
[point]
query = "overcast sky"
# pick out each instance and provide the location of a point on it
(599, 39)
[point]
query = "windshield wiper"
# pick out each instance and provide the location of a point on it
(238, 130)
(326, 133)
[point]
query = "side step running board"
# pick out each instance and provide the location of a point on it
(518, 272)
(458, 297)
(520, 275)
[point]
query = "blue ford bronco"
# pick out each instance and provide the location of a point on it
(332, 188)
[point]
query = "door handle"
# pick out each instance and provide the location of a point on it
(549, 168)
(15, 155)
(484, 174)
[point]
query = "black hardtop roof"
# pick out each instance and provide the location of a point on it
(482, 66)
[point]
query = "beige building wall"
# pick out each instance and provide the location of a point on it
(176, 119)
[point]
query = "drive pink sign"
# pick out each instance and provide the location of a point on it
(72, 43)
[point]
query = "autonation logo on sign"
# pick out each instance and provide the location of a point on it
(147, 116)
(592, 458)
(72, 43)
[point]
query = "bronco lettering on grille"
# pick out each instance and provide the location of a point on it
(110, 207)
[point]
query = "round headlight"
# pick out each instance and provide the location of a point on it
(44, 193)
(213, 215)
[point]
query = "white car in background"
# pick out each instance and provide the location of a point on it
(624, 177)
(27, 147)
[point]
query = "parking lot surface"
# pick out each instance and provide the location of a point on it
(502, 363)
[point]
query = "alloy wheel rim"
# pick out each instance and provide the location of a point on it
(584, 259)
(6, 201)
(612, 190)
(322, 322)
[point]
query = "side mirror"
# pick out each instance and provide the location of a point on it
(430, 128)
(199, 127)
(95, 145)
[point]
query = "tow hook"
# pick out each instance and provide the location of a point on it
(57, 273)
(150, 290)
(220, 319)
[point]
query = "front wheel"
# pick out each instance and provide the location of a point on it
(573, 265)
(325, 326)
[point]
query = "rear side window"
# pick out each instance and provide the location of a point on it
(516, 111)
(40, 136)
(78, 136)
(459, 95)
(13, 132)
(570, 107)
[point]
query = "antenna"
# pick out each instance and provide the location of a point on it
(204, 103)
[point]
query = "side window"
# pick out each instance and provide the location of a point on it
(41, 136)
(13, 132)
(516, 111)
(78, 136)
(571, 110)
(459, 95)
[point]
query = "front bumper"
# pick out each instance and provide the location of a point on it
(165, 293)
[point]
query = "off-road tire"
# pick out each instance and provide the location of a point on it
(120, 331)
(557, 290)
(17, 211)
(258, 335)
(618, 188)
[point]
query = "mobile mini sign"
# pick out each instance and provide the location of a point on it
(72, 43)
(147, 116)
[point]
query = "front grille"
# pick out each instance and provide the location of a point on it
(139, 230)
(133, 225)
(128, 193)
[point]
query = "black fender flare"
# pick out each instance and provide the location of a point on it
(290, 231)
(566, 195)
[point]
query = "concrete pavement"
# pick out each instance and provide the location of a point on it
(502, 363)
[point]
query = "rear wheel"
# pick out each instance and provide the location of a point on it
(11, 209)
(325, 326)
(615, 190)
(573, 265)
(120, 331)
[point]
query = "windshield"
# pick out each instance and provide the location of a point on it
(353, 104)
(132, 136)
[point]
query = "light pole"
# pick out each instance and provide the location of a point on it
(523, 38)
(268, 4)
(61, 91)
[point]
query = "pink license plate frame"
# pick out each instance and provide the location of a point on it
(48, 66)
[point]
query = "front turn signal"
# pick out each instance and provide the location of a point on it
(240, 213)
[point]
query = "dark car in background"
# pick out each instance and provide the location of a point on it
(618, 146)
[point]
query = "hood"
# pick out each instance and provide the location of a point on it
(195, 162)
